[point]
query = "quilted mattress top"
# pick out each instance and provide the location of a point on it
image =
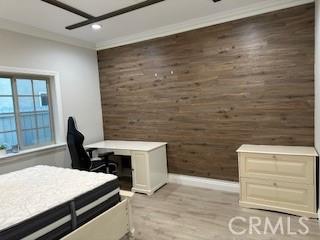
(28, 192)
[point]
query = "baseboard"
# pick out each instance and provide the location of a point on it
(206, 183)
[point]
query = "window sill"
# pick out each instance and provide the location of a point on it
(31, 152)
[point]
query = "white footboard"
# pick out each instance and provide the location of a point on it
(113, 224)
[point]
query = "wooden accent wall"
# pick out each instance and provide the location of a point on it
(249, 81)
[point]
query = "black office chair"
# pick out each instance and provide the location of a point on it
(82, 159)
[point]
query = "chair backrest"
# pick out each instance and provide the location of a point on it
(79, 157)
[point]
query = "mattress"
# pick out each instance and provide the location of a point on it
(45, 202)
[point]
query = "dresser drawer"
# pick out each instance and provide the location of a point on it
(294, 169)
(278, 195)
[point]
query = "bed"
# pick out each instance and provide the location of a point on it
(45, 202)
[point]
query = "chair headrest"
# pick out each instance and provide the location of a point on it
(72, 126)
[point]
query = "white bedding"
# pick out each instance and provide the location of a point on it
(28, 192)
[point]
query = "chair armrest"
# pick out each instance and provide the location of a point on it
(96, 159)
(90, 151)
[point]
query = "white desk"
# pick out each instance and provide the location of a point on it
(148, 160)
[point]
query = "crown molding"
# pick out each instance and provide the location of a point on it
(37, 32)
(243, 12)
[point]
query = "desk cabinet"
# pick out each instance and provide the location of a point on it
(278, 178)
(149, 170)
(140, 171)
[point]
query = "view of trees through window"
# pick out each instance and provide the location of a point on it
(25, 116)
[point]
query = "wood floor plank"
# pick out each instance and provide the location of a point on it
(179, 212)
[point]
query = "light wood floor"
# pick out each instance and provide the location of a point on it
(180, 212)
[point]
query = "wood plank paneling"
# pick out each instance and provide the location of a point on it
(247, 81)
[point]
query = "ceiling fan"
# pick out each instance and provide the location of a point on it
(93, 19)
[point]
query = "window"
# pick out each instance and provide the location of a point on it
(25, 112)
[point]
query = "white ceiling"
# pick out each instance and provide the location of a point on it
(39, 18)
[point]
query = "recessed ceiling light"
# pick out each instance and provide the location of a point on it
(96, 26)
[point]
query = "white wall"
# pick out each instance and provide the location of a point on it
(317, 80)
(79, 79)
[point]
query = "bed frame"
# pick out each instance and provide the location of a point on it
(114, 224)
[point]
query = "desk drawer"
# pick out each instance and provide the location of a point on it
(298, 197)
(295, 169)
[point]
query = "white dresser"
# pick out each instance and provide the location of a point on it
(279, 178)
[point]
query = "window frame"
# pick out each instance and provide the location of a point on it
(17, 114)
